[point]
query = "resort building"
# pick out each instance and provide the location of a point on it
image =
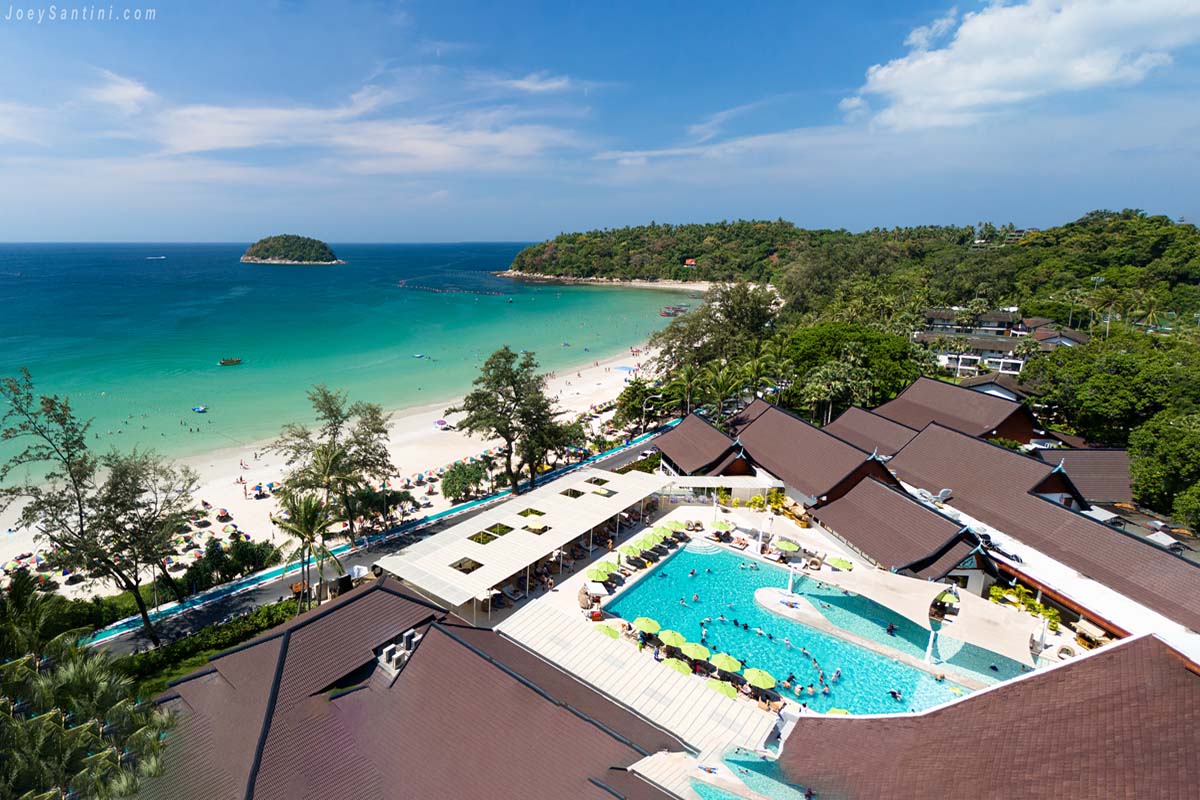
(697, 447)
(871, 432)
(999, 385)
(955, 320)
(974, 413)
(1100, 474)
(1038, 533)
(380, 694)
(971, 353)
(814, 465)
(1120, 723)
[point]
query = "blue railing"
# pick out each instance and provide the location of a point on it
(129, 624)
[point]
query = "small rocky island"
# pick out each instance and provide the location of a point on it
(289, 249)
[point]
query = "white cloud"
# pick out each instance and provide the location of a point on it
(124, 94)
(536, 83)
(712, 125)
(921, 38)
(1004, 55)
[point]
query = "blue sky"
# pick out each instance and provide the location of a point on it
(445, 121)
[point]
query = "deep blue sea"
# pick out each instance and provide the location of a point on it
(132, 333)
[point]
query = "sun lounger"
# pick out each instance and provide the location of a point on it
(740, 544)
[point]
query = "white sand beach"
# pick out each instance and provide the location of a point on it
(415, 442)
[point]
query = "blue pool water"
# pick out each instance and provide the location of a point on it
(727, 589)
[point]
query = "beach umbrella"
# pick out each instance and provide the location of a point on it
(672, 638)
(840, 563)
(222, 512)
(609, 631)
(9, 566)
(759, 678)
(723, 525)
(646, 625)
(197, 554)
(629, 550)
(696, 651)
(721, 687)
(229, 529)
(725, 662)
(597, 575)
(947, 597)
(646, 543)
(662, 532)
(674, 525)
(787, 545)
(679, 666)
(607, 566)
(441, 423)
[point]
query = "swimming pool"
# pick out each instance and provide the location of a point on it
(725, 589)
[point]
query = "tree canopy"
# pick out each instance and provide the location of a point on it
(289, 247)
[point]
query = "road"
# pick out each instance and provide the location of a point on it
(188, 622)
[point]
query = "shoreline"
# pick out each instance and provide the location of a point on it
(631, 283)
(253, 260)
(415, 443)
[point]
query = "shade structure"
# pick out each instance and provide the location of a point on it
(606, 566)
(723, 525)
(725, 662)
(598, 575)
(596, 589)
(609, 631)
(672, 638)
(721, 687)
(662, 532)
(679, 666)
(645, 543)
(673, 524)
(646, 625)
(759, 678)
(840, 563)
(629, 550)
(948, 597)
(696, 651)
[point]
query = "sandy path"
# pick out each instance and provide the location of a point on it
(416, 445)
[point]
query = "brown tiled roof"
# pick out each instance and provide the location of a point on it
(694, 444)
(1101, 475)
(889, 527)
(871, 432)
(804, 457)
(306, 711)
(927, 400)
(995, 485)
(1041, 334)
(1121, 723)
(1000, 379)
(756, 409)
(1036, 322)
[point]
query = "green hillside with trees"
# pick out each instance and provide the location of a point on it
(292, 249)
(1147, 260)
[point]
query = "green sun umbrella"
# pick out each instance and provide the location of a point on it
(679, 666)
(723, 525)
(787, 545)
(759, 678)
(609, 631)
(840, 563)
(598, 575)
(721, 687)
(629, 550)
(607, 566)
(646, 543)
(696, 651)
(661, 532)
(646, 625)
(672, 638)
(725, 662)
(947, 597)
(674, 525)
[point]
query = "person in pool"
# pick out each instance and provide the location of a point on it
(682, 602)
(811, 689)
(692, 574)
(837, 673)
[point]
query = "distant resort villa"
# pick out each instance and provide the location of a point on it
(289, 249)
(891, 606)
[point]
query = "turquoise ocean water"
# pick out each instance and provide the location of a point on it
(133, 332)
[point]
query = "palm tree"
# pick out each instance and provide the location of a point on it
(307, 518)
(1074, 297)
(757, 373)
(1103, 301)
(722, 383)
(834, 383)
(330, 471)
(684, 385)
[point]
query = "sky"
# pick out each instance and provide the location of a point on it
(380, 121)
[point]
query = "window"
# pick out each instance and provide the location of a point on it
(604, 492)
(466, 565)
(597, 481)
(499, 529)
(571, 493)
(532, 512)
(536, 528)
(483, 537)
